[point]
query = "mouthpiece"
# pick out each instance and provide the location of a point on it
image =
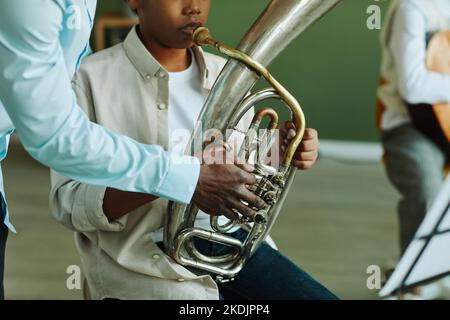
(202, 37)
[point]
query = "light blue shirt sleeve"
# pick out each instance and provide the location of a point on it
(408, 47)
(36, 93)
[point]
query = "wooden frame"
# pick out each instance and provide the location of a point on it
(107, 22)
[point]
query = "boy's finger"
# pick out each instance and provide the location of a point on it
(291, 134)
(310, 134)
(309, 145)
(306, 156)
(303, 165)
(289, 125)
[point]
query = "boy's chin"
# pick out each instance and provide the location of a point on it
(184, 45)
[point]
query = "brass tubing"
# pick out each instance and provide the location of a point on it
(202, 36)
(267, 112)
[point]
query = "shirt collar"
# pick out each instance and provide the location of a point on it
(149, 67)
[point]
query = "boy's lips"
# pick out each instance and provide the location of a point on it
(189, 28)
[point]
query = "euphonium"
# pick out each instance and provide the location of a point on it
(281, 23)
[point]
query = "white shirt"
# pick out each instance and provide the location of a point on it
(185, 103)
(404, 58)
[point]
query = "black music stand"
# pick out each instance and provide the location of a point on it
(428, 255)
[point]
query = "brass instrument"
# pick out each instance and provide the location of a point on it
(280, 23)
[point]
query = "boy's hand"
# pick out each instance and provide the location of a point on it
(308, 150)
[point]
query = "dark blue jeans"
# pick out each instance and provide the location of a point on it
(268, 275)
(3, 237)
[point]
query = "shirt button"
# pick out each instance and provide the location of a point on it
(180, 280)
(162, 74)
(156, 256)
(161, 106)
(148, 76)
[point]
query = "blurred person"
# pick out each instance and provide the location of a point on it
(149, 87)
(41, 45)
(414, 161)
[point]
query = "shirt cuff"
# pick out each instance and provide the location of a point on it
(88, 212)
(181, 179)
